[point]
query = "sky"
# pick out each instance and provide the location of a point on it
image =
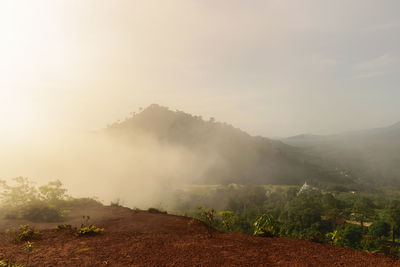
(273, 68)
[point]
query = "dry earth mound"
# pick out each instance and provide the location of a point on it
(146, 239)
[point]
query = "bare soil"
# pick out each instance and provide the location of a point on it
(146, 239)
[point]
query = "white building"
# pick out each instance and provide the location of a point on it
(306, 187)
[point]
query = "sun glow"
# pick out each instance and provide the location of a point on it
(27, 52)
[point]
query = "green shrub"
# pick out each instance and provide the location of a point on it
(89, 230)
(350, 236)
(208, 217)
(379, 229)
(267, 226)
(26, 233)
(333, 237)
(7, 263)
(314, 236)
(387, 248)
(228, 220)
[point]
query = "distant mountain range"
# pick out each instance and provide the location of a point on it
(234, 155)
(305, 138)
(372, 155)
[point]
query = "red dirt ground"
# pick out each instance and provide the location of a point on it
(145, 239)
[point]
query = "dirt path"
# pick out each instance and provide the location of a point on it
(145, 239)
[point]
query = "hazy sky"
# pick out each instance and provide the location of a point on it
(274, 68)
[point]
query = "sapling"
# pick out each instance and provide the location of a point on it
(29, 249)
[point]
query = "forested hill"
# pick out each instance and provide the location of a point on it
(236, 156)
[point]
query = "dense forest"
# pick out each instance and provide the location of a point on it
(364, 221)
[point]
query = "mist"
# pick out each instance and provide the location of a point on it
(270, 68)
(93, 164)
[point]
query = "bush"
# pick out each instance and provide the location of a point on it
(41, 212)
(89, 230)
(26, 233)
(44, 204)
(379, 229)
(350, 236)
(314, 236)
(389, 249)
(228, 220)
(206, 216)
(333, 237)
(47, 203)
(7, 263)
(36, 211)
(266, 226)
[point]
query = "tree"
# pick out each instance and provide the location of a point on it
(19, 195)
(393, 212)
(24, 200)
(304, 210)
(53, 192)
(363, 210)
(378, 229)
(351, 235)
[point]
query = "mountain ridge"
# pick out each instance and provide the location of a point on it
(312, 137)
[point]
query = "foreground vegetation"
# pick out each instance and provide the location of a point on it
(355, 220)
(369, 222)
(47, 203)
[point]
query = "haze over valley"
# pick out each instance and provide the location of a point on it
(143, 159)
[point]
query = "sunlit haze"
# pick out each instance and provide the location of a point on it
(272, 68)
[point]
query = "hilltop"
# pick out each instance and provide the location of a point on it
(139, 238)
(234, 155)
